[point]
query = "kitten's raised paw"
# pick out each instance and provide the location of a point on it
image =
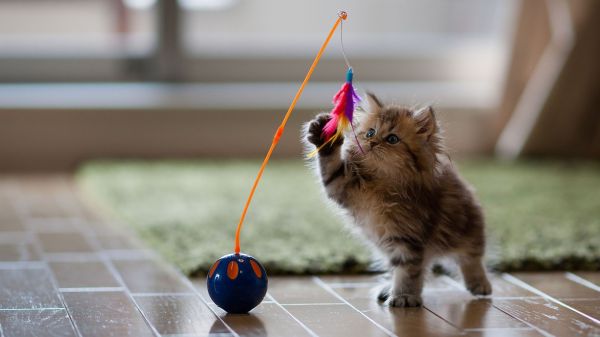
(403, 301)
(315, 129)
(480, 288)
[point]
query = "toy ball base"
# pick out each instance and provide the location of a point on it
(237, 283)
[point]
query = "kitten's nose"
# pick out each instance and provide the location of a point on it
(373, 144)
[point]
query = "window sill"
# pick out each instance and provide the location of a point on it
(476, 96)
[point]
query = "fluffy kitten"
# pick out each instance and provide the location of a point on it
(405, 196)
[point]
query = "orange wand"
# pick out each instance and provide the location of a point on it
(238, 282)
(341, 16)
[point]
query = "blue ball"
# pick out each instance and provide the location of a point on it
(237, 283)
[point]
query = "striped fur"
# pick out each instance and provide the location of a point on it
(405, 197)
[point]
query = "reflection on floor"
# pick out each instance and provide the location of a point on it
(65, 272)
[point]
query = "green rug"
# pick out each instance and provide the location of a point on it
(540, 215)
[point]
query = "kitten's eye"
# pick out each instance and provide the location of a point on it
(370, 133)
(392, 139)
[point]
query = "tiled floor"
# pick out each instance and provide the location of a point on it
(64, 272)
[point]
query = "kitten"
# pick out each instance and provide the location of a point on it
(405, 196)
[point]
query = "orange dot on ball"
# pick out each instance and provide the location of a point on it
(213, 268)
(256, 268)
(232, 270)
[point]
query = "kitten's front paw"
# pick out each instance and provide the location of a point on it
(384, 293)
(404, 300)
(481, 287)
(315, 129)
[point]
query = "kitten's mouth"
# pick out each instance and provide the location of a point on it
(366, 148)
(372, 149)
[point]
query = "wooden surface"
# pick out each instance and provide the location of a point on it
(66, 272)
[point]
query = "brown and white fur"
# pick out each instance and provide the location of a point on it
(405, 196)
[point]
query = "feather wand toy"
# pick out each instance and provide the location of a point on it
(344, 103)
(238, 282)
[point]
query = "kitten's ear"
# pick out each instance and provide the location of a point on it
(426, 122)
(375, 104)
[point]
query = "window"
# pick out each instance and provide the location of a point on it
(251, 40)
(386, 40)
(71, 40)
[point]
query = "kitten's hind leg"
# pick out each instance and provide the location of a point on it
(473, 272)
(407, 282)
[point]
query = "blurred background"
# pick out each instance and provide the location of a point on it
(85, 79)
(164, 108)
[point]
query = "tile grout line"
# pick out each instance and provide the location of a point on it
(352, 284)
(534, 290)
(536, 328)
(443, 319)
(4, 265)
(425, 307)
(92, 240)
(97, 248)
(498, 329)
(35, 241)
(507, 298)
(330, 290)
(162, 294)
(304, 326)
(454, 283)
(10, 236)
(457, 285)
(187, 281)
(95, 244)
(32, 309)
(72, 257)
(91, 289)
(106, 259)
(111, 268)
(184, 279)
(327, 287)
(220, 334)
(308, 304)
(578, 279)
(82, 207)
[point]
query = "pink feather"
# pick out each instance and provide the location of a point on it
(344, 102)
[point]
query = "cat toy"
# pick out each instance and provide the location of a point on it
(237, 282)
(341, 115)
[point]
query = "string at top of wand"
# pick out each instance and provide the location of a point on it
(341, 16)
